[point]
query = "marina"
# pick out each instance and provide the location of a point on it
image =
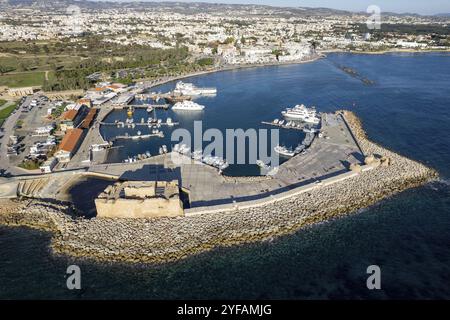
(198, 156)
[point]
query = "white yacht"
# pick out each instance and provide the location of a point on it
(300, 112)
(188, 89)
(184, 149)
(310, 130)
(284, 151)
(187, 106)
(262, 165)
(197, 155)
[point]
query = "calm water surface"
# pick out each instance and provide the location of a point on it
(408, 236)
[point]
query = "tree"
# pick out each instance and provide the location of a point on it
(229, 40)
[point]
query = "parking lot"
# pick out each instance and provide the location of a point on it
(29, 115)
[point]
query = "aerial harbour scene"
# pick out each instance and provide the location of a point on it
(278, 153)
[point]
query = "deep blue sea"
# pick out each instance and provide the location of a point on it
(406, 109)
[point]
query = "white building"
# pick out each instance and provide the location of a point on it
(47, 166)
(43, 131)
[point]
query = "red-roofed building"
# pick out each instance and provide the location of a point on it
(89, 118)
(69, 145)
(85, 102)
(69, 115)
(72, 118)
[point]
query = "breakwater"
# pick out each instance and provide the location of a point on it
(169, 239)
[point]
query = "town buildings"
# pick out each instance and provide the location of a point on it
(237, 34)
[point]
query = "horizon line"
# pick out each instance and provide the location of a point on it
(267, 5)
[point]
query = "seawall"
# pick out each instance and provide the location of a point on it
(169, 239)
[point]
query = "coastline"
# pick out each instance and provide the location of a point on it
(320, 55)
(164, 240)
(385, 51)
(231, 68)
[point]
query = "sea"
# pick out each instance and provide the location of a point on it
(403, 100)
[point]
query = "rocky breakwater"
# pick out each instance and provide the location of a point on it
(168, 239)
(35, 214)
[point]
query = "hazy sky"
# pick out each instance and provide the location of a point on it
(400, 6)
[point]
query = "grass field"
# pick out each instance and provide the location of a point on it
(21, 63)
(28, 79)
(2, 102)
(4, 113)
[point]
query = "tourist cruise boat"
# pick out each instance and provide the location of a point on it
(300, 112)
(188, 89)
(283, 151)
(187, 106)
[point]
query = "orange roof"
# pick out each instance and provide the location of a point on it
(84, 100)
(89, 118)
(70, 140)
(70, 115)
(100, 89)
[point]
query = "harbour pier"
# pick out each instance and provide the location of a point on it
(145, 124)
(169, 97)
(138, 137)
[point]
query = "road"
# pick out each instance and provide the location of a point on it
(8, 130)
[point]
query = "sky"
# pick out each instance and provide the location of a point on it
(399, 6)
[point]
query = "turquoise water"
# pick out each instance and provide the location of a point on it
(407, 109)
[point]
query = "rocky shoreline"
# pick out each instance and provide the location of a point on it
(170, 239)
